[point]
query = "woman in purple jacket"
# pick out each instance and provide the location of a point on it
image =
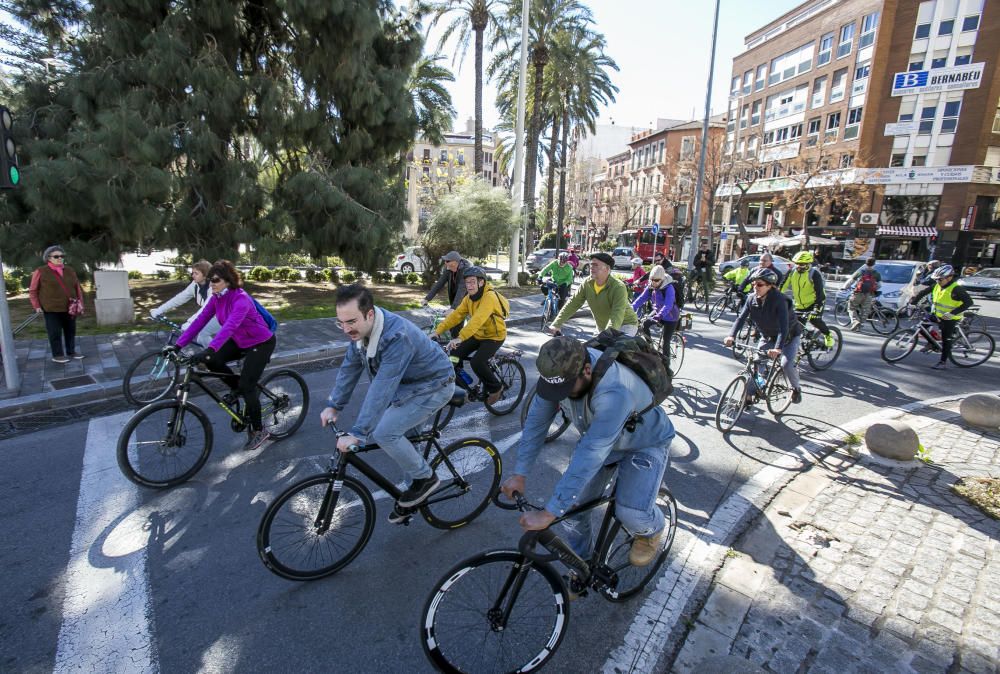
(244, 334)
(665, 310)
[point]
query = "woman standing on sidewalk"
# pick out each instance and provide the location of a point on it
(200, 292)
(55, 292)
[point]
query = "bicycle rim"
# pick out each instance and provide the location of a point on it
(469, 470)
(841, 316)
(300, 539)
(884, 322)
(149, 378)
(164, 444)
(676, 347)
(975, 349)
(284, 402)
(779, 392)
(717, 309)
(731, 404)
(820, 357)
(899, 345)
(460, 629)
(512, 376)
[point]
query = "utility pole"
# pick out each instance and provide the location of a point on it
(517, 189)
(12, 377)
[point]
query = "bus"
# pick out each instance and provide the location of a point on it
(643, 242)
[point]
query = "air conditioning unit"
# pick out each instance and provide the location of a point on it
(869, 218)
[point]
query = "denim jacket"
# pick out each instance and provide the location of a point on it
(403, 363)
(600, 417)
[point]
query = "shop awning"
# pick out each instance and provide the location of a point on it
(798, 240)
(906, 231)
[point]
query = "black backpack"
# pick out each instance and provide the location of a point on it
(638, 355)
(678, 276)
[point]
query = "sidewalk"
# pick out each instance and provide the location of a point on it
(863, 565)
(47, 386)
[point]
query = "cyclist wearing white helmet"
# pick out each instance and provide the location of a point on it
(562, 273)
(808, 292)
(665, 311)
(948, 302)
(637, 282)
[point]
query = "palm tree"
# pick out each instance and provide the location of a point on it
(431, 100)
(471, 17)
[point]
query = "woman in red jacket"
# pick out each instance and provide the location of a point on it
(55, 292)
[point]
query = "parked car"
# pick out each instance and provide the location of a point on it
(780, 263)
(411, 259)
(898, 282)
(539, 258)
(623, 257)
(984, 282)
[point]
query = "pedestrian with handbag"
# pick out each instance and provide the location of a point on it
(55, 292)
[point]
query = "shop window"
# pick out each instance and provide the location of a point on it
(913, 211)
(923, 31)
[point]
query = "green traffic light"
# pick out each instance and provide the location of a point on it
(15, 175)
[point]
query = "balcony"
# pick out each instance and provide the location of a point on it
(784, 111)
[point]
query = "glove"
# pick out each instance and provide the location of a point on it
(202, 356)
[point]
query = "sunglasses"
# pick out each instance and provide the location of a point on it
(57, 257)
(215, 279)
(760, 284)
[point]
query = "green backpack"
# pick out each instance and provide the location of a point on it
(638, 355)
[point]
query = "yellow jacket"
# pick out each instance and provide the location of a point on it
(486, 316)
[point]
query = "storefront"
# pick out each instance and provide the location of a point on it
(898, 242)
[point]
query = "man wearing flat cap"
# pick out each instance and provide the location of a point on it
(606, 296)
(451, 276)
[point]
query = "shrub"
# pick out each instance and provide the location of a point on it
(260, 274)
(135, 274)
(13, 284)
(162, 274)
(347, 277)
(523, 278)
(400, 279)
(314, 276)
(180, 274)
(413, 278)
(606, 246)
(287, 274)
(331, 275)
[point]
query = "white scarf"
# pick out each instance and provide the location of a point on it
(370, 346)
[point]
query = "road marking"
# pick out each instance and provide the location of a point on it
(106, 612)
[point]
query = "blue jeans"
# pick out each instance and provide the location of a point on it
(640, 472)
(788, 353)
(403, 416)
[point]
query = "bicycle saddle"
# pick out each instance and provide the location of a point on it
(458, 398)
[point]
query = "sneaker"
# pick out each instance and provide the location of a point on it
(62, 360)
(418, 491)
(855, 327)
(796, 396)
(828, 340)
(398, 516)
(940, 365)
(645, 548)
(494, 397)
(256, 440)
(76, 356)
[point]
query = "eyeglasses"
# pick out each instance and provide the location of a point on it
(57, 257)
(215, 279)
(343, 325)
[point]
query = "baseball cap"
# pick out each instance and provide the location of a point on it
(560, 362)
(605, 258)
(452, 256)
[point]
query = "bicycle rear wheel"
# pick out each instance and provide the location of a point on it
(884, 321)
(676, 347)
(778, 392)
(717, 309)
(731, 404)
(469, 470)
(464, 627)
(316, 527)
(164, 444)
(284, 402)
(632, 579)
(899, 345)
(559, 424)
(512, 377)
(151, 377)
(975, 349)
(819, 356)
(841, 315)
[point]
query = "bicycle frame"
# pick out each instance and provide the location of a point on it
(197, 377)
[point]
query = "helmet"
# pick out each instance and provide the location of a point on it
(563, 256)
(765, 274)
(636, 261)
(745, 262)
(657, 273)
(803, 257)
(478, 272)
(943, 271)
(934, 264)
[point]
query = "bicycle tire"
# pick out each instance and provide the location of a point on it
(899, 345)
(677, 349)
(731, 404)
(457, 634)
(447, 412)
(546, 314)
(151, 377)
(302, 521)
(631, 580)
(741, 341)
(841, 315)
(559, 424)
(814, 356)
(778, 392)
(717, 309)
(981, 343)
(477, 462)
(165, 451)
(884, 321)
(284, 416)
(513, 378)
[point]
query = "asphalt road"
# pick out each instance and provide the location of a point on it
(101, 573)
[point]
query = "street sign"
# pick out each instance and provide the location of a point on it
(723, 236)
(656, 228)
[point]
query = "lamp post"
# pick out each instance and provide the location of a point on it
(518, 185)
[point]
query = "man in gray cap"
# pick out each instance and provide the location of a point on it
(454, 267)
(565, 369)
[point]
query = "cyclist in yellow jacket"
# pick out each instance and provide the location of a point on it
(808, 293)
(948, 302)
(485, 332)
(736, 276)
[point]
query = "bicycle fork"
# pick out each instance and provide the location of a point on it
(325, 515)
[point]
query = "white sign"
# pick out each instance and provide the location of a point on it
(917, 174)
(900, 129)
(939, 79)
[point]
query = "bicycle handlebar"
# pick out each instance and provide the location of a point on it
(165, 321)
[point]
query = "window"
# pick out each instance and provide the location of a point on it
(735, 86)
(814, 125)
(819, 91)
(687, 148)
(781, 135)
(916, 65)
(791, 63)
(427, 154)
(949, 118)
(854, 116)
(444, 156)
(846, 40)
(758, 83)
(794, 131)
(747, 81)
(868, 25)
(927, 115)
(769, 138)
(833, 121)
(755, 114)
(862, 71)
(846, 160)
(775, 170)
(897, 160)
(996, 119)
(923, 30)
(963, 59)
(970, 23)
(837, 85)
(906, 118)
(825, 50)
(461, 157)
(939, 62)
(946, 27)
(919, 160)
(662, 149)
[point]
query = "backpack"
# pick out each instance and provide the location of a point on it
(679, 293)
(272, 322)
(638, 355)
(866, 284)
(504, 305)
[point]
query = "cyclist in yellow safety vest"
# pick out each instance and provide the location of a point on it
(948, 302)
(808, 292)
(736, 276)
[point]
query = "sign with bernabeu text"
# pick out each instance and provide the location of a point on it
(954, 78)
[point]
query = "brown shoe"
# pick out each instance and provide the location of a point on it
(645, 548)
(493, 398)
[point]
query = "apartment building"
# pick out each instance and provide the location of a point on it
(609, 197)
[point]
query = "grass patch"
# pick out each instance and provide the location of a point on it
(853, 439)
(982, 492)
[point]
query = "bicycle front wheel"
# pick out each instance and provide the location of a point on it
(548, 314)
(841, 315)
(819, 356)
(316, 527)
(676, 347)
(778, 392)
(284, 402)
(496, 612)
(469, 470)
(717, 309)
(975, 349)
(632, 579)
(150, 378)
(884, 321)
(731, 404)
(899, 345)
(559, 424)
(512, 377)
(164, 444)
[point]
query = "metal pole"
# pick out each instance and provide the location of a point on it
(696, 220)
(12, 377)
(517, 191)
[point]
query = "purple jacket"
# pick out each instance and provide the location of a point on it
(664, 307)
(238, 317)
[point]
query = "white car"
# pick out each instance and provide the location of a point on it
(623, 257)
(984, 282)
(898, 282)
(412, 259)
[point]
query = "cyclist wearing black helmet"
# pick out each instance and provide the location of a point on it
(948, 302)
(485, 331)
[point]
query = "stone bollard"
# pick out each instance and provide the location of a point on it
(892, 440)
(982, 410)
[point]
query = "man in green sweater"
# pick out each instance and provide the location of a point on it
(606, 296)
(562, 273)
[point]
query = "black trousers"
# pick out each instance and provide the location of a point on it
(666, 333)
(61, 329)
(563, 290)
(948, 329)
(485, 349)
(255, 359)
(820, 324)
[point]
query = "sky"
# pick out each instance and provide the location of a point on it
(662, 48)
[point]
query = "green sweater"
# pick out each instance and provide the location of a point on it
(611, 306)
(562, 275)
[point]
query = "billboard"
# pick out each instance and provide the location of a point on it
(954, 78)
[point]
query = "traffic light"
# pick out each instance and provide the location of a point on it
(10, 176)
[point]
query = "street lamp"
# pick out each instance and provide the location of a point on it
(696, 220)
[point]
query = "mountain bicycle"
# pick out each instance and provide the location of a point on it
(968, 348)
(744, 340)
(696, 292)
(731, 300)
(166, 442)
(883, 319)
(152, 376)
(761, 379)
(320, 524)
(508, 610)
(813, 346)
(550, 306)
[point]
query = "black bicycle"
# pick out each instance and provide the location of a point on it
(507, 368)
(884, 320)
(153, 376)
(696, 291)
(318, 526)
(508, 610)
(165, 443)
(731, 300)
(762, 378)
(813, 346)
